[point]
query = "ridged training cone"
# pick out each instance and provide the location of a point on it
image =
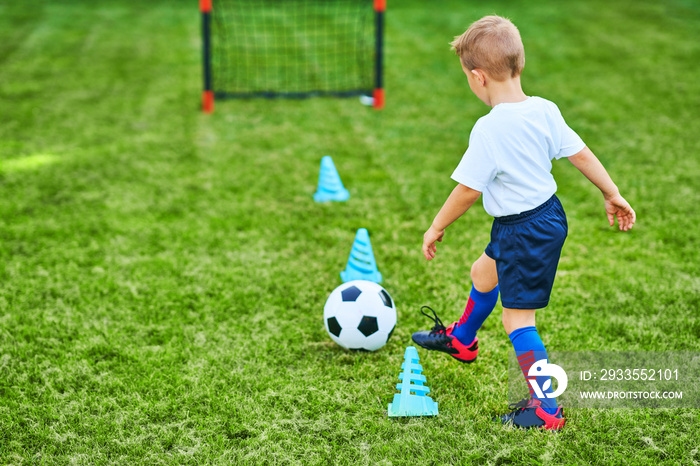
(412, 401)
(361, 263)
(330, 188)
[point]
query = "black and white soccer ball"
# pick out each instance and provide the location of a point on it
(360, 315)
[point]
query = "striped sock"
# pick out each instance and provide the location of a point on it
(479, 307)
(529, 349)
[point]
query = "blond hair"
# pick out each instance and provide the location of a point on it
(493, 45)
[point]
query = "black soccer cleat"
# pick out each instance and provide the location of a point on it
(441, 339)
(528, 414)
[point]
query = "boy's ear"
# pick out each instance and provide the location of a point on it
(479, 75)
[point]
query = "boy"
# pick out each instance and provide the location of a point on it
(509, 161)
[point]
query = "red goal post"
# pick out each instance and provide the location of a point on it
(213, 24)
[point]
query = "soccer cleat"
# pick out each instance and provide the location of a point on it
(528, 414)
(441, 339)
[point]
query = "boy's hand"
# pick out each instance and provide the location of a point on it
(429, 239)
(617, 207)
(458, 202)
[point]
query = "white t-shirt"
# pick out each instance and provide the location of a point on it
(510, 154)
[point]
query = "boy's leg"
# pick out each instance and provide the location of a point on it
(527, 248)
(528, 346)
(483, 273)
(482, 300)
(465, 347)
(519, 324)
(514, 319)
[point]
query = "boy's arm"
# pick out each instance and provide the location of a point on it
(615, 205)
(459, 201)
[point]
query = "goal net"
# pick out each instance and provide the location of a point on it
(291, 48)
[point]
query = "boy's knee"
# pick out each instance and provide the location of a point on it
(506, 321)
(474, 272)
(477, 272)
(514, 319)
(511, 322)
(483, 275)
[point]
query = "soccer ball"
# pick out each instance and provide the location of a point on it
(360, 315)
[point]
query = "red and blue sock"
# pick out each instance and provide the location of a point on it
(479, 307)
(529, 349)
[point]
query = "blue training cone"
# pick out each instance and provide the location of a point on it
(330, 188)
(361, 263)
(412, 401)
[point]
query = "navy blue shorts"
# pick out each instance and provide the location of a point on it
(526, 248)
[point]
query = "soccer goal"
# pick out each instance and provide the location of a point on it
(292, 49)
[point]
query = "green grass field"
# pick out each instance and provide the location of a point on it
(164, 272)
